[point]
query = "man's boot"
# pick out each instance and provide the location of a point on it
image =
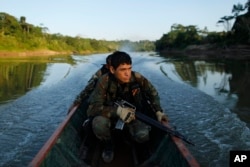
(108, 151)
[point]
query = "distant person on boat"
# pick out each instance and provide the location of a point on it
(91, 83)
(121, 83)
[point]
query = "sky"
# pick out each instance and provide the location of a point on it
(119, 19)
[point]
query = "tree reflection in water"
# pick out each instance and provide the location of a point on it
(19, 75)
(18, 78)
(227, 81)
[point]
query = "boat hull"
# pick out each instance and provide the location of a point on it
(66, 147)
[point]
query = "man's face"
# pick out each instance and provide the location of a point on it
(122, 72)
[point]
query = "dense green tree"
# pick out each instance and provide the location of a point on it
(237, 9)
(9, 24)
(18, 35)
(241, 27)
(226, 21)
(179, 37)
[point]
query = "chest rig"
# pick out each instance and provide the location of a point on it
(130, 92)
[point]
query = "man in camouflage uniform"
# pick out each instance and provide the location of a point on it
(121, 83)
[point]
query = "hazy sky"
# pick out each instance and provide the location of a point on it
(119, 19)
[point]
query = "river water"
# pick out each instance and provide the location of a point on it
(205, 100)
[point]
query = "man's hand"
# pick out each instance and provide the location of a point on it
(161, 116)
(126, 114)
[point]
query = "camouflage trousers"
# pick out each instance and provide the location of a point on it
(139, 131)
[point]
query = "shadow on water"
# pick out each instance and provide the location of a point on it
(18, 75)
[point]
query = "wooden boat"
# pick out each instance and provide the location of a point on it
(66, 147)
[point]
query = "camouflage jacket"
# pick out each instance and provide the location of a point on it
(91, 84)
(108, 90)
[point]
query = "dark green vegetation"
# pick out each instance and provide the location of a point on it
(16, 35)
(182, 36)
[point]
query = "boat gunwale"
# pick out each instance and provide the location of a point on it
(43, 152)
(183, 149)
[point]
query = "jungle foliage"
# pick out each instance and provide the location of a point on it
(182, 36)
(18, 35)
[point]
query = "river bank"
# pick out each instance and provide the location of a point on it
(236, 52)
(37, 53)
(32, 53)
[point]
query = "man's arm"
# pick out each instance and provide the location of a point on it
(152, 97)
(98, 99)
(149, 91)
